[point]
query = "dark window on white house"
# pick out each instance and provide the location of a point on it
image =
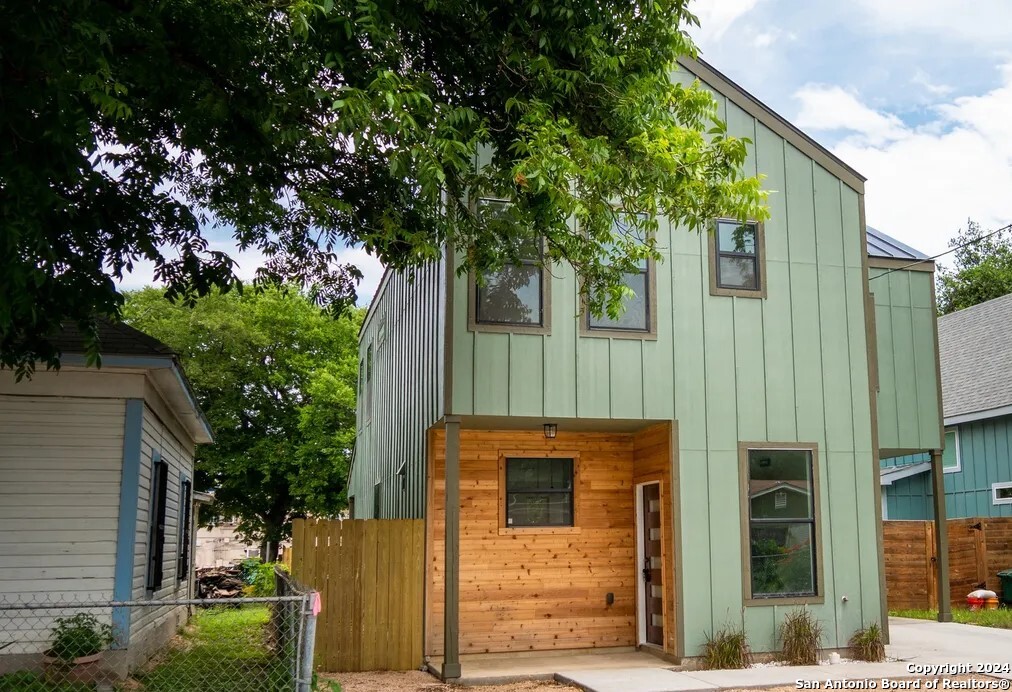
(185, 507)
(156, 535)
(539, 492)
(781, 523)
(514, 295)
(737, 256)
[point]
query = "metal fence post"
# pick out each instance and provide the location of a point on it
(308, 643)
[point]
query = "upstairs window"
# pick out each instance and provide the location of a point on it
(514, 298)
(368, 383)
(637, 318)
(737, 265)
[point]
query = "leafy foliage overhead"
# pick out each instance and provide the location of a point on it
(301, 126)
(982, 271)
(276, 379)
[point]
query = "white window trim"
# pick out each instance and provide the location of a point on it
(995, 487)
(959, 457)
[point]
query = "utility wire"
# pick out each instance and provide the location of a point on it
(942, 254)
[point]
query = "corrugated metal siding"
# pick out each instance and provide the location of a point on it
(908, 415)
(790, 368)
(985, 449)
(60, 460)
(406, 391)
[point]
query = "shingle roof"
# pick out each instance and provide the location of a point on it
(882, 245)
(975, 349)
(117, 339)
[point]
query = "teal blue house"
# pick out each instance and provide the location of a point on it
(975, 348)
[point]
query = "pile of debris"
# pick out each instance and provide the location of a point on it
(219, 582)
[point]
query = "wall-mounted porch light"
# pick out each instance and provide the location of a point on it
(551, 430)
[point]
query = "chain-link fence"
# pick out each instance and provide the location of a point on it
(58, 643)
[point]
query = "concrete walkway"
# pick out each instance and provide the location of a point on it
(919, 642)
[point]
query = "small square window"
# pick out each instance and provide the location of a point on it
(736, 256)
(539, 492)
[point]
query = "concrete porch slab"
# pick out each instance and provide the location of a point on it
(494, 669)
(639, 679)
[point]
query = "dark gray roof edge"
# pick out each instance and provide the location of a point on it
(890, 247)
(712, 74)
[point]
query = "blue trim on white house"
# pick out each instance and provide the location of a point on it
(126, 531)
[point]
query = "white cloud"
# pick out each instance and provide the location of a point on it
(717, 16)
(924, 182)
(831, 108)
(977, 21)
(765, 39)
(922, 79)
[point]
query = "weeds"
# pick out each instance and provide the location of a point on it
(727, 648)
(867, 645)
(800, 635)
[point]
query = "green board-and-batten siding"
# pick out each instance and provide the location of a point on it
(908, 406)
(790, 368)
(985, 452)
(405, 329)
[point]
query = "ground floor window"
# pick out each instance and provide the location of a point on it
(780, 521)
(539, 492)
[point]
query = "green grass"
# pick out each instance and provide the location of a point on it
(1001, 618)
(222, 650)
(30, 682)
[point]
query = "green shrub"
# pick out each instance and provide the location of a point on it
(800, 636)
(867, 643)
(727, 648)
(80, 635)
(261, 581)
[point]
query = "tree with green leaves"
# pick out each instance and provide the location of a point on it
(275, 376)
(982, 271)
(131, 129)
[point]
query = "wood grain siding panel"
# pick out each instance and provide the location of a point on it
(537, 590)
(60, 460)
(407, 390)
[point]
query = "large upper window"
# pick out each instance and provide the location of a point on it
(781, 523)
(539, 492)
(637, 309)
(736, 257)
(368, 383)
(515, 296)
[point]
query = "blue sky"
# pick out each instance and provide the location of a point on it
(914, 94)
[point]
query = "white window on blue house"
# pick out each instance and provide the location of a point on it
(1001, 493)
(951, 460)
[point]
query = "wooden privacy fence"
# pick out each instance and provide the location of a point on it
(979, 548)
(370, 576)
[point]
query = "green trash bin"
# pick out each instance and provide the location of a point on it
(1006, 586)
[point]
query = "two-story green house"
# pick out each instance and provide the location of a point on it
(710, 457)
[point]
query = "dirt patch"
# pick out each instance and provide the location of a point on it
(413, 680)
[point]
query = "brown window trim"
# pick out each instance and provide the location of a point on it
(746, 551)
(716, 290)
(505, 530)
(650, 334)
